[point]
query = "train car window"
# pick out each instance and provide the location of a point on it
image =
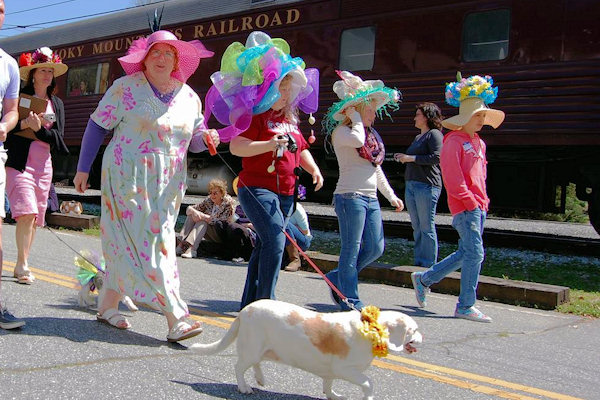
(357, 49)
(485, 35)
(87, 80)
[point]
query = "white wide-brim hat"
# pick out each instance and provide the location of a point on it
(352, 90)
(470, 106)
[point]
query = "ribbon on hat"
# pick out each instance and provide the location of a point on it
(248, 83)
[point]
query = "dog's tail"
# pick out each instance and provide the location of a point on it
(219, 345)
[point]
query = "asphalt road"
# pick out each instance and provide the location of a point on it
(64, 353)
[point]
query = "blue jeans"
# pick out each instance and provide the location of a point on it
(421, 201)
(361, 234)
(300, 238)
(264, 209)
(468, 257)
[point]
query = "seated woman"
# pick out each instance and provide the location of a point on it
(201, 219)
(299, 230)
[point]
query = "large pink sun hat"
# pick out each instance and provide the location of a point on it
(188, 54)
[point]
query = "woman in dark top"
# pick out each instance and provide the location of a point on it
(29, 164)
(424, 181)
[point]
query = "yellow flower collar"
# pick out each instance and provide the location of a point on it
(373, 331)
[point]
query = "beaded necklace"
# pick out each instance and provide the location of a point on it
(164, 97)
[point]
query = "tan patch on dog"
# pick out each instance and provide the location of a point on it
(327, 337)
(294, 318)
(270, 355)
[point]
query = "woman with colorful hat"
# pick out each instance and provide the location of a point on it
(29, 164)
(155, 118)
(463, 164)
(360, 153)
(258, 93)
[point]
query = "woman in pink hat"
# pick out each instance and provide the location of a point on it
(29, 164)
(155, 118)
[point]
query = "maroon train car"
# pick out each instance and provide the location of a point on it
(544, 55)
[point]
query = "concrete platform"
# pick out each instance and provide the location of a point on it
(73, 221)
(506, 291)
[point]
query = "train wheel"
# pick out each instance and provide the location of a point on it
(594, 208)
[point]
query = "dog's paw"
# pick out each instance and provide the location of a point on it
(258, 375)
(334, 396)
(245, 388)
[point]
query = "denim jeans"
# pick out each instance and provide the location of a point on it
(361, 235)
(421, 201)
(468, 257)
(264, 209)
(300, 238)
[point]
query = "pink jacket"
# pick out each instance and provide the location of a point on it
(464, 170)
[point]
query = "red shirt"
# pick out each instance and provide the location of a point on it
(254, 169)
(464, 170)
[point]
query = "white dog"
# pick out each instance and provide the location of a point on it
(329, 345)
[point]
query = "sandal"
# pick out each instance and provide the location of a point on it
(112, 317)
(24, 278)
(182, 330)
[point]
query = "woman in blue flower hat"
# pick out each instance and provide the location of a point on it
(463, 164)
(257, 94)
(360, 153)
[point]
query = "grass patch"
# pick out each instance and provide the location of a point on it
(580, 274)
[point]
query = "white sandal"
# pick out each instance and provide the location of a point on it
(183, 330)
(112, 317)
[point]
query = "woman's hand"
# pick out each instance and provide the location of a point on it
(317, 179)
(214, 135)
(404, 158)
(81, 181)
(278, 140)
(398, 204)
(33, 121)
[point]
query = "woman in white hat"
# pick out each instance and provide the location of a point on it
(29, 164)
(463, 164)
(360, 153)
(156, 117)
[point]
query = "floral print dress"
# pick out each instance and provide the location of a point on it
(143, 183)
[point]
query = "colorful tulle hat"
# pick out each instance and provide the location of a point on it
(188, 54)
(248, 83)
(472, 95)
(43, 57)
(352, 90)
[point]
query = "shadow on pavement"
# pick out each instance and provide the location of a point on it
(82, 331)
(230, 391)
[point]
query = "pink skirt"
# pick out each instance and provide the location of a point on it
(28, 191)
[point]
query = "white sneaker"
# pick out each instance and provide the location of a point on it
(238, 260)
(189, 254)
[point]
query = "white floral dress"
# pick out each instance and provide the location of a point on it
(143, 183)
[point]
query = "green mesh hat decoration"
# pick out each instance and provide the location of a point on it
(352, 90)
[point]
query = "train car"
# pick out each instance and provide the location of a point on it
(543, 54)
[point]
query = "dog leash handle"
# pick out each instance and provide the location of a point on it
(210, 143)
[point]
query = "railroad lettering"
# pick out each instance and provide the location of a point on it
(293, 15)
(261, 21)
(248, 23)
(231, 26)
(276, 20)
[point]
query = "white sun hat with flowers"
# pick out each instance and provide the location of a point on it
(43, 57)
(352, 90)
(472, 95)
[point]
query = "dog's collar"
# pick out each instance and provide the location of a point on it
(372, 330)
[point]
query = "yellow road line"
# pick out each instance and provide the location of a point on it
(481, 378)
(431, 371)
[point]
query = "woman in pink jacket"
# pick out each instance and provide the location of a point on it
(464, 172)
